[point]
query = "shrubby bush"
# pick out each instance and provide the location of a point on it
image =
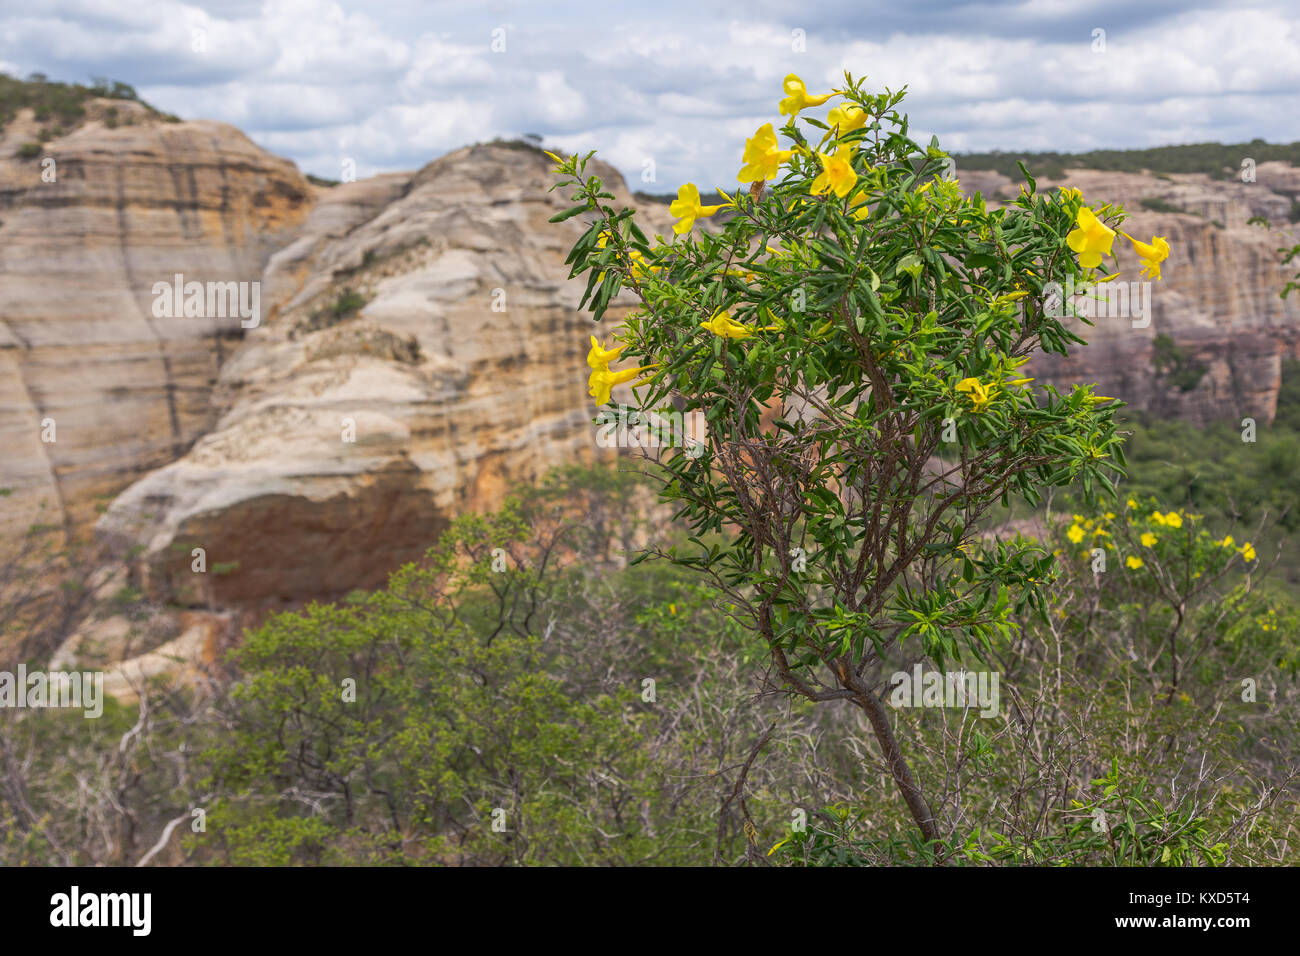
(855, 315)
(522, 690)
(1148, 720)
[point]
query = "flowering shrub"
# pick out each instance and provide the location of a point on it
(1151, 720)
(1168, 591)
(856, 315)
(1142, 529)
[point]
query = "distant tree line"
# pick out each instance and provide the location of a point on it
(62, 103)
(1217, 160)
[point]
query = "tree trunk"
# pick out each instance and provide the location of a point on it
(889, 749)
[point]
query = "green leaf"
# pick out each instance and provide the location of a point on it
(568, 213)
(1033, 184)
(911, 264)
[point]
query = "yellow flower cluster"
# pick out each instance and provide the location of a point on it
(1081, 527)
(602, 380)
(763, 157)
(982, 395)
(1091, 239)
(1247, 550)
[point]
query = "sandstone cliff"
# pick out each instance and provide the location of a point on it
(87, 226)
(348, 438)
(1218, 299)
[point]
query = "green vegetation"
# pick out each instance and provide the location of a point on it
(1156, 204)
(64, 102)
(112, 89)
(1211, 469)
(1219, 160)
(346, 304)
(523, 674)
(844, 543)
(1173, 365)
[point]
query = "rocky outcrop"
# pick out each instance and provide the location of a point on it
(95, 388)
(1218, 298)
(350, 436)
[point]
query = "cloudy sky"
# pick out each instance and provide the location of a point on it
(392, 84)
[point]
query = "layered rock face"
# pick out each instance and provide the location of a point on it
(97, 388)
(349, 437)
(1218, 298)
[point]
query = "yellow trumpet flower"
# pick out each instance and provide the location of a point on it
(600, 357)
(686, 207)
(1091, 238)
(981, 395)
(722, 324)
(837, 173)
(602, 381)
(797, 97)
(1152, 254)
(763, 156)
(847, 117)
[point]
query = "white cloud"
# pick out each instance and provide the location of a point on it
(557, 100)
(396, 84)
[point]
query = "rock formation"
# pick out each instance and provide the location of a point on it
(423, 354)
(87, 227)
(1218, 298)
